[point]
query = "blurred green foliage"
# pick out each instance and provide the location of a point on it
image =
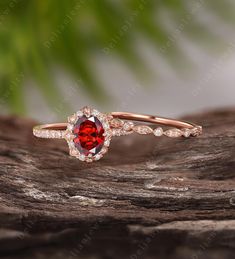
(36, 36)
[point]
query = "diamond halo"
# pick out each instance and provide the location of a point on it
(70, 136)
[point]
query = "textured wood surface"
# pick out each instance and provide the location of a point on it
(149, 196)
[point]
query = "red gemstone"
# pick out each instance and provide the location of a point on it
(89, 134)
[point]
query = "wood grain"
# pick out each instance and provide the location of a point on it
(176, 192)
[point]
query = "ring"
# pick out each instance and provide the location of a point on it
(89, 132)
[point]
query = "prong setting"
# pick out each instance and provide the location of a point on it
(70, 136)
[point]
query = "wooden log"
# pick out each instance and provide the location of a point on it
(149, 196)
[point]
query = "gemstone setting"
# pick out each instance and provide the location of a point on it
(91, 134)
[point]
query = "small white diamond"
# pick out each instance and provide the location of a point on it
(108, 133)
(104, 150)
(70, 127)
(105, 125)
(142, 129)
(69, 136)
(101, 117)
(196, 131)
(89, 160)
(98, 157)
(87, 111)
(116, 132)
(120, 132)
(158, 132)
(186, 133)
(128, 125)
(82, 157)
(72, 119)
(107, 142)
(113, 132)
(73, 152)
(173, 133)
(95, 112)
(79, 113)
(116, 123)
(71, 145)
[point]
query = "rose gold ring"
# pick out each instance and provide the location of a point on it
(89, 132)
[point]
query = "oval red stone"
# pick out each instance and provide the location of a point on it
(89, 134)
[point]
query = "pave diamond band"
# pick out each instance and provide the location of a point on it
(89, 132)
(56, 131)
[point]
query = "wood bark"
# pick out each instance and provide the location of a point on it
(148, 198)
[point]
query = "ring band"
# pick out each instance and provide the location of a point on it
(89, 132)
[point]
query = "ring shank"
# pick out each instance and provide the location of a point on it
(153, 119)
(54, 126)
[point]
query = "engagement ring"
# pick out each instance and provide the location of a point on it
(89, 132)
